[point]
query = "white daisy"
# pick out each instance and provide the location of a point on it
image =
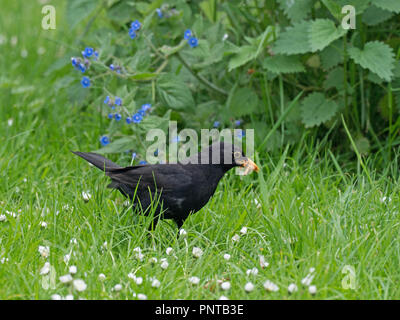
(67, 257)
(3, 217)
(249, 287)
(243, 231)
(227, 256)
(169, 250)
(292, 288)
(236, 238)
(66, 278)
(44, 251)
(141, 296)
(197, 252)
(252, 272)
(194, 280)
(182, 233)
(45, 269)
(155, 283)
(270, 286)
(225, 285)
(117, 287)
(312, 290)
(43, 224)
(102, 277)
(73, 269)
(86, 196)
(164, 265)
(79, 285)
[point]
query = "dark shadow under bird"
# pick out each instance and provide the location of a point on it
(182, 188)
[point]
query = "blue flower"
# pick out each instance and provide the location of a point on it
(137, 118)
(145, 107)
(187, 34)
(134, 155)
(142, 112)
(110, 116)
(142, 162)
(128, 120)
(112, 67)
(88, 52)
(216, 124)
(81, 67)
(118, 117)
(104, 140)
(135, 25)
(132, 33)
(85, 82)
(74, 61)
(118, 101)
(107, 100)
(193, 42)
(238, 122)
(96, 55)
(159, 12)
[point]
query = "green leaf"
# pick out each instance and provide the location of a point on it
(359, 5)
(249, 52)
(374, 15)
(283, 64)
(117, 146)
(316, 109)
(390, 5)
(174, 92)
(152, 122)
(332, 55)
(334, 8)
(294, 40)
(244, 101)
(243, 55)
(335, 79)
(323, 32)
(120, 12)
(143, 76)
(296, 10)
(78, 10)
(377, 57)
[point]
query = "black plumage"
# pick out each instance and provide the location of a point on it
(181, 189)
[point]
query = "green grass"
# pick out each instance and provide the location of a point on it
(316, 211)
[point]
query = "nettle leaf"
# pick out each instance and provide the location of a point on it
(359, 5)
(296, 10)
(391, 5)
(335, 79)
(316, 109)
(119, 145)
(78, 10)
(332, 55)
(323, 32)
(244, 101)
(377, 57)
(334, 8)
(174, 92)
(374, 15)
(283, 64)
(294, 40)
(151, 122)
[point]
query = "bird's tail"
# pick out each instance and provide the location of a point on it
(97, 160)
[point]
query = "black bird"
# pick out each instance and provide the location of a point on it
(182, 188)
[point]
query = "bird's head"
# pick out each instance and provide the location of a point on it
(230, 156)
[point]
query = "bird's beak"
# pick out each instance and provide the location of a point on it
(248, 164)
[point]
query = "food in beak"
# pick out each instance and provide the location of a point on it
(249, 166)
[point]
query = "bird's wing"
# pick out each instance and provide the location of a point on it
(165, 177)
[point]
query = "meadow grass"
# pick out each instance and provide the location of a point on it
(314, 209)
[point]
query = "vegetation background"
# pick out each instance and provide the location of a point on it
(323, 101)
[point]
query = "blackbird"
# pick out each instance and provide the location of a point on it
(180, 188)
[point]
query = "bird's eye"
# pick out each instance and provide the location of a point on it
(237, 154)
